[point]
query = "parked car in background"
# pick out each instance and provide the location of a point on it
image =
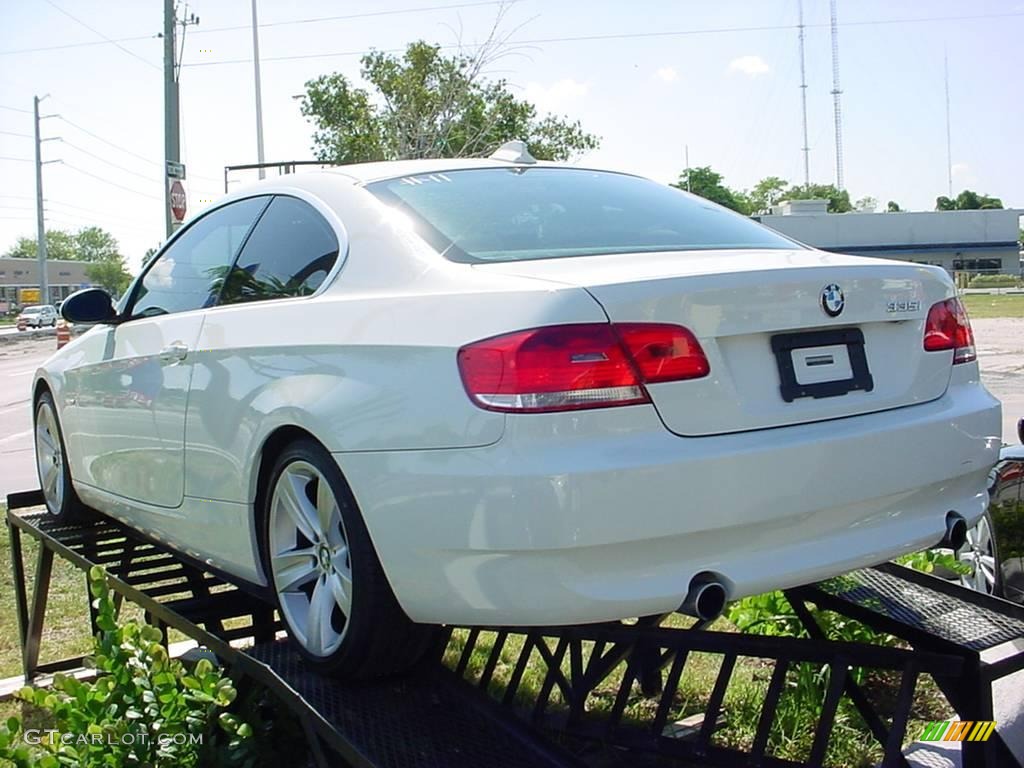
(38, 316)
(502, 392)
(995, 545)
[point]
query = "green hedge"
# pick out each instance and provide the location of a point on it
(994, 281)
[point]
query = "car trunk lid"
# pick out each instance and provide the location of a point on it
(777, 356)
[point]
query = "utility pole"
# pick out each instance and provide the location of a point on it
(44, 288)
(259, 98)
(172, 120)
(836, 91)
(949, 142)
(803, 95)
(172, 143)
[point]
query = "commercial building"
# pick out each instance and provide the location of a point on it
(19, 281)
(982, 241)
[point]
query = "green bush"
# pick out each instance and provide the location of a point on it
(994, 281)
(143, 709)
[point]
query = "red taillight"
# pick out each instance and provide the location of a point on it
(568, 367)
(948, 327)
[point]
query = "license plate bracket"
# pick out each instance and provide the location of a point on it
(783, 345)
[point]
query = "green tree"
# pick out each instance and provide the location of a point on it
(427, 104)
(109, 274)
(838, 199)
(893, 207)
(766, 193)
(95, 244)
(59, 245)
(967, 201)
(866, 204)
(708, 184)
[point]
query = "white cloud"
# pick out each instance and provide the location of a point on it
(559, 97)
(667, 74)
(750, 65)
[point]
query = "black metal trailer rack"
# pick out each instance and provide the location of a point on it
(605, 695)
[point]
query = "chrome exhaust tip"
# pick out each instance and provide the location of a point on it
(705, 598)
(956, 531)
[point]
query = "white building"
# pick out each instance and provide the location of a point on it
(973, 241)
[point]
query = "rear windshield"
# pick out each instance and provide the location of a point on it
(515, 214)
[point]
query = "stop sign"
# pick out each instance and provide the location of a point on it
(177, 201)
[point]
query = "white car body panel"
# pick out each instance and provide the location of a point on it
(640, 511)
(480, 516)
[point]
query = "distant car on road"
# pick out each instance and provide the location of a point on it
(38, 316)
(503, 392)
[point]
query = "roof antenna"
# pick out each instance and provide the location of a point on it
(514, 152)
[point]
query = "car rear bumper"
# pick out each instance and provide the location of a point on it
(604, 514)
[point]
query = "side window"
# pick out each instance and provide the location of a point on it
(190, 273)
(290, 253)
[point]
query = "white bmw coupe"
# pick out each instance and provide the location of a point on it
(504, 392)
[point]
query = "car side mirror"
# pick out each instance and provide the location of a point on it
(89, 305)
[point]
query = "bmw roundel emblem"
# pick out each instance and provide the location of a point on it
(832, 300)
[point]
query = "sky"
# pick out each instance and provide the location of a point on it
(650, 77)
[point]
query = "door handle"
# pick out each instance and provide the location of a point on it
(173, 353)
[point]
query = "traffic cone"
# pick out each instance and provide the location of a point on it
(63, 333)
(22, 325)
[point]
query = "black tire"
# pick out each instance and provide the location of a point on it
(62, 502)
(378, 638)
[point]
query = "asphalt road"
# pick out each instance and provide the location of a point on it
(1000, 351)
(18, 362)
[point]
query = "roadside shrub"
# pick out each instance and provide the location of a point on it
(994, 281)
(143, 709)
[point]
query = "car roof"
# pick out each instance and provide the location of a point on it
(389, 169)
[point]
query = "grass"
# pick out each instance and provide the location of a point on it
(851, 744)
(990, 305)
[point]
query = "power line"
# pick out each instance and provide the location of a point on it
(119, 148)
(17, 197)
(110, 143)
(14, 133)
(108, 162)
(68, 215)
(619, 36)
(100, 34)
(137, 38)
(108, 181)
(93, 211)
(350, 16)
(15, 109)
(16, 159)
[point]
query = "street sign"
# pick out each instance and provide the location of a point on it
(177, 202)
(175, 170)
(28, 296)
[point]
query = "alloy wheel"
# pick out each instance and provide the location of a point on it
(978, 555)
(309, 558)
(49, 458)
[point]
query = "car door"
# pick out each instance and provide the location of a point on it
(288, 256)
(126, 399)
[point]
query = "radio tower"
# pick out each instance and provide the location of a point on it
(835, 98)
(803, 94)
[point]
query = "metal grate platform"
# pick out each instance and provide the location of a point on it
(613, 688)
(421, 721)
(900, 597)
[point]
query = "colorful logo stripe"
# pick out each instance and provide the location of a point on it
(958, 730)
